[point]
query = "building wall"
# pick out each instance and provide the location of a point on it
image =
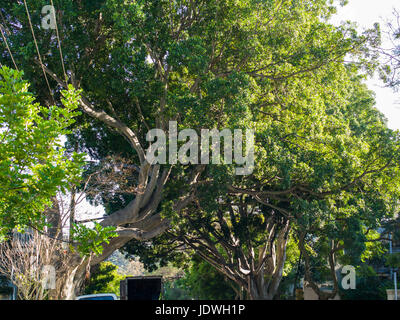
(309, 294)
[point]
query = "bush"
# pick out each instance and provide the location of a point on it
(104, 279)
(205, 283)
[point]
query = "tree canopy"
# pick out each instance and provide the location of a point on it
(326, 167)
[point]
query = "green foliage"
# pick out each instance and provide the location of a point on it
(104, 279)
(33, 164)
(175, 290)
(393, 260)
(173, 287)
(368, 286)
(205, 283)
(324, 156)
(91, 239)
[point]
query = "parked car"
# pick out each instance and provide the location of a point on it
(98, 296)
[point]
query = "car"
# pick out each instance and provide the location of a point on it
(98, 296)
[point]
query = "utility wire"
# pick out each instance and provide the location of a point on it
(59, 43)
(49, 236)
(8, 48)
(37, 49)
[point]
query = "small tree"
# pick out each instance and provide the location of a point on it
(31, 261)
(36, 173)
(104, 279)
(203, 281)
(33, 164)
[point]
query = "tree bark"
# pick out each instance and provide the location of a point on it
(259, 278)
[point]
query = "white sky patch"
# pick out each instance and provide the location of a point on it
(84, 210)
(365, 13)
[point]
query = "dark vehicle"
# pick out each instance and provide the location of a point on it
(141, 288)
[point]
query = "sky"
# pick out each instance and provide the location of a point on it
(365, 13)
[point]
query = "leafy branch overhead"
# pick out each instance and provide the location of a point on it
(326, 173)
(33, 163)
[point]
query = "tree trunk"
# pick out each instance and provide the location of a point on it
(258, 290)
(69, 282)
(262, 288)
